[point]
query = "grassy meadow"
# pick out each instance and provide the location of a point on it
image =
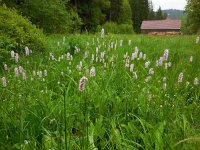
(138, 95)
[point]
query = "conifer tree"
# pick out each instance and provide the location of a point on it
(140, 11)
(151, 14)
(114, 13)
(159, 14)
(125, 16)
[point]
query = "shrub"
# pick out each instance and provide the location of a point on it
(17, 32)
(53, 16)
(75, 41)
(110, 27)
(5, 46)
(118, 28)
(125, 28)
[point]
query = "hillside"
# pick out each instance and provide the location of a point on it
(174, 13)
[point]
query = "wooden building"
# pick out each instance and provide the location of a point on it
(161, 27)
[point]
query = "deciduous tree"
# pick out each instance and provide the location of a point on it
(193, 15)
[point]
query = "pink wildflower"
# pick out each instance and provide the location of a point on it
(121, 43)
(97, 50)
(131, 67)
(169, 64)
(24, 76)
(21, 69)
(27, 51)
(196, 81)
(166, 54)
(148, 79)
(16, 72)
(97, 59)
(197, 40)
(92, 57)
(102, 55)
(104, 65)
(16, 57)
(136, 50)
(129, 42)
(86, 54)
(140, 55)
(82, 83)
(164, 79)
(5, 67)
(81, 63)
(45, 73)
(191, 59)
(40, 74)
(102, 33)
(92, 72)
(4, 82)
(160, 62)
(157, 63)
(144, 57)
(180, 78)
(71, 57)
(127, 63)
(135, 75)
(147, 64)
(166, 66)
(34, 73)
(133, 56)
(68, 56)
(12, 53)
(164, 86)
(151, 71)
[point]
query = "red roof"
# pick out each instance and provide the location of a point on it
(161, 24)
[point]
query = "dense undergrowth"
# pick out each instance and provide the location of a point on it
(17, 32)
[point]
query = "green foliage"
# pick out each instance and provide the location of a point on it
(51, 15)
(151, 15)
(92, 13)
(111, 27)
(75, 22)
(5, 46)
(115, 10)
(125, 16)
(137, 15)
(185, 27)
(17, 32)
(73, 42)
(125, 29)
(193, 14)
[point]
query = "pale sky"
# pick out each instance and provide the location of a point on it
(169, 4)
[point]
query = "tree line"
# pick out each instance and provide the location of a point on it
(58, 16)
(192, 21)
(61, 16)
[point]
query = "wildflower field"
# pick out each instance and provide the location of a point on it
(122, 92)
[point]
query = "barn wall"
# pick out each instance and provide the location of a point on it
(161, 31)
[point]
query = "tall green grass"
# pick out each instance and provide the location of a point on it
(115, 111)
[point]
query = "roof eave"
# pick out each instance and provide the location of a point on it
(160, 29)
